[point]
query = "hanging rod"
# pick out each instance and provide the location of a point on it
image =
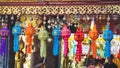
(59, 3)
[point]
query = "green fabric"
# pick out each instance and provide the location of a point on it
(43, 49)
(43, 34)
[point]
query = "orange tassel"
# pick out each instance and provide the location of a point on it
(29, 33)
(93, 34)
(94, 49)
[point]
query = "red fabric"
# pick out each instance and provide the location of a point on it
(79, 37)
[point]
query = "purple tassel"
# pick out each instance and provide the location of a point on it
(0, 47)
(3, 47)
(4, 35)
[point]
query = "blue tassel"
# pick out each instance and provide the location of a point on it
(56, 35)
(107, 49)
(16, 43)
(55, 46)
(108, 36)
(16, 31)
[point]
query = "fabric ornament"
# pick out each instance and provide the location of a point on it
(93, 34)
(65, 33)
(56, 36)
(4, 36)
(108, 36)
(115, 45)
(79, 37)
(101, 44)
(29, 34)
(16, 31)
(71, 46)
(86, 45)
(43, 35)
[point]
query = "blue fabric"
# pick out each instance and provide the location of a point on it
(56, 36)
(16, 31)
(74, 48)
(16, 43)
(108, 36)
(107, 49)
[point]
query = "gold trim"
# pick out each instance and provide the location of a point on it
(62, 9)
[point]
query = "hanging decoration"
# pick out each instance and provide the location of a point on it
(69, 44)
(20, 56)
(4, 35)
(65, 33)
(86, 45)
(115, 45)
(56, 36)
(43, 35)
(79, 37)
(93, 34)
(16, 31)
(72, 44)
(118, 55)
(101, 44)
(108, 36)
(29, 34)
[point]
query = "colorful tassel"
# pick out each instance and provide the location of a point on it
(29, 34)
(56, 36)
(65, 33)
(16, 31)
(108, 36)
(43, 35)
(4, 35)
(79, 37)
(93, 34)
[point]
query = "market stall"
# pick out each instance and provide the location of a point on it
(58, 34)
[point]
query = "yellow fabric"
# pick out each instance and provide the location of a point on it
(62, 56)
(116, 61)
(71, 45)
(101, 45)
